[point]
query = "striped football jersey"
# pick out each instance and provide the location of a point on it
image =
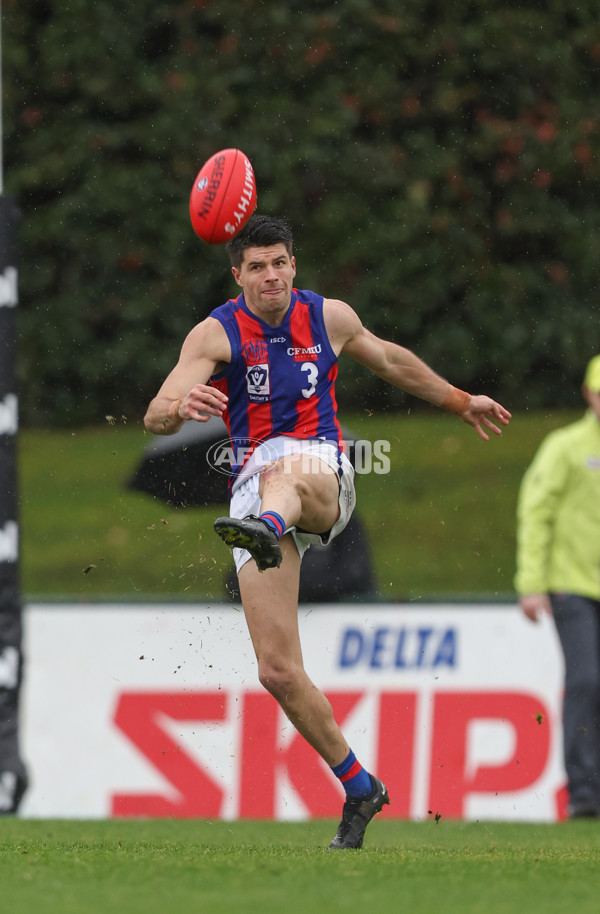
(280, 380)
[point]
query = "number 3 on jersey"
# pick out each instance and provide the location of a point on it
(312, 376)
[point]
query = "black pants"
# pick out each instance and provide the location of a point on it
(578, 624)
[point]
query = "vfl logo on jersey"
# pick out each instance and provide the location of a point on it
(255, 355)
(257, 380)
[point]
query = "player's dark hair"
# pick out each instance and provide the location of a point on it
(259, 232)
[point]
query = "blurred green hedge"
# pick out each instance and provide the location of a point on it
(439, 163)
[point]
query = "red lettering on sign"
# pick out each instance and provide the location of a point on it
(396, 748)
(264, 758)
(266, 763)
(450, 783)
(138, 717)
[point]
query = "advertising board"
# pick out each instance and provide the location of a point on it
(156, 710)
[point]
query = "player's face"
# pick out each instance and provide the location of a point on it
(266, 276)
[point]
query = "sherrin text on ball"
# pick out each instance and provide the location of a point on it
(223, 196)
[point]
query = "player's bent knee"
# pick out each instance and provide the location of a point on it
(278, 681)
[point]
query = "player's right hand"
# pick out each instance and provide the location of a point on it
(202, 402)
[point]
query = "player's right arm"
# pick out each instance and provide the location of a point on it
(185, 393)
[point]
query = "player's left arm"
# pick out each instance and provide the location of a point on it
(402, 368)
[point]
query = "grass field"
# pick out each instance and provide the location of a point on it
(441, 523)
(153, 867)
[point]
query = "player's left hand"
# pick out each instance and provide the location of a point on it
(483, 412)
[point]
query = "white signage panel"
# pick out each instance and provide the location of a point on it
(156, 710)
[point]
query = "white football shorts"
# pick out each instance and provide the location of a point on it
(245, 499)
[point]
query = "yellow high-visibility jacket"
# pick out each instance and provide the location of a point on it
(558, 514)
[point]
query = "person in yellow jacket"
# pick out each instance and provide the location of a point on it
(558, 571)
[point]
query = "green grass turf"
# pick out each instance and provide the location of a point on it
(153, 867)
(441, 523)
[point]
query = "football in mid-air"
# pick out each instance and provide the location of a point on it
(223, 196)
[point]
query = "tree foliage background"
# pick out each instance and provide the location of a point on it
(438, 161)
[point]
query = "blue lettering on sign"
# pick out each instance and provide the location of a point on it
(402, 648)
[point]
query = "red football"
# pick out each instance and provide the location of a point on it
(223, 196)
